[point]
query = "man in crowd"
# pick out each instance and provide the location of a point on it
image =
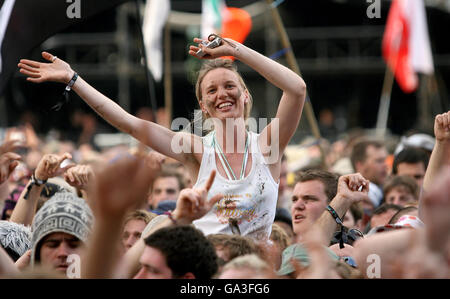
(165, 190)
(368, 158)
(178, 252)
(401, 190)
(313, 192)
(134, 224)
(60, 228)
(412, 162)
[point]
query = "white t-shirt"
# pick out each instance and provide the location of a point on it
(250, 202)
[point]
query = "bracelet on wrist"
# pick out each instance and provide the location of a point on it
(72, 81)
(334, 215)
(33, 182)
(169, 214)
(69, 86)
(36, 181)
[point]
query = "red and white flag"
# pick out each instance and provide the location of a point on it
(232, 22)
(406, 44)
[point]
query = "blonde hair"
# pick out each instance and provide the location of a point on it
(280, 237)
(139, 215)
(248, 261)
(228, 64)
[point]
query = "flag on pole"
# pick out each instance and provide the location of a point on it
(406, 44)
(155, 16)
(25, 24)
(231, 22)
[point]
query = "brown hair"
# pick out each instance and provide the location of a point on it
(228, 64)
(402, 181)
(357, 211)
(280, 237)
(328, 179)
(234, 244)
(359, 152)
(168, 172)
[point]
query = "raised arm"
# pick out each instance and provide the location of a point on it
(80, 177)
(119, 187)
(8, 162)
(440, 155)
(351, 188)
(292, 85)
(413, 253)
(192, 204)
(48, 167)
(149, 133)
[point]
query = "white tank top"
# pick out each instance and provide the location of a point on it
(248, 204)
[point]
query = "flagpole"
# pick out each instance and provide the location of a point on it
(386, 93)
(293, 66)
(385, 101)
(167, 73)
(148, 75)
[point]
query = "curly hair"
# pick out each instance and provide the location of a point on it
(186, 250)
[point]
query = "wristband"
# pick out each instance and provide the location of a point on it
(338, 220)
(169, 214)
(72, 81)
(335, 215)
(36, 181)
(69, 86)
(33, 181)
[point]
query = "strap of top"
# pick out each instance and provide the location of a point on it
(226, 165)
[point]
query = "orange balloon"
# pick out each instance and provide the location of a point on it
(236, 24)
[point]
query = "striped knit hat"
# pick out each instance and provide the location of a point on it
(64, 212)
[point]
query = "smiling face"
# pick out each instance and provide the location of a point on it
(222, 94)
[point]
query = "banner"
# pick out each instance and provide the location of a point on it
(155, 17)
(406, 44)
(25, 24)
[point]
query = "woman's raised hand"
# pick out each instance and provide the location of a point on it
(227, 48)
(56, 70)
(192, 204)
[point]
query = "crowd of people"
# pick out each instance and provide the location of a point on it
(231, 205)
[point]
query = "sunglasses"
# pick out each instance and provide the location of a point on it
(346, 236)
